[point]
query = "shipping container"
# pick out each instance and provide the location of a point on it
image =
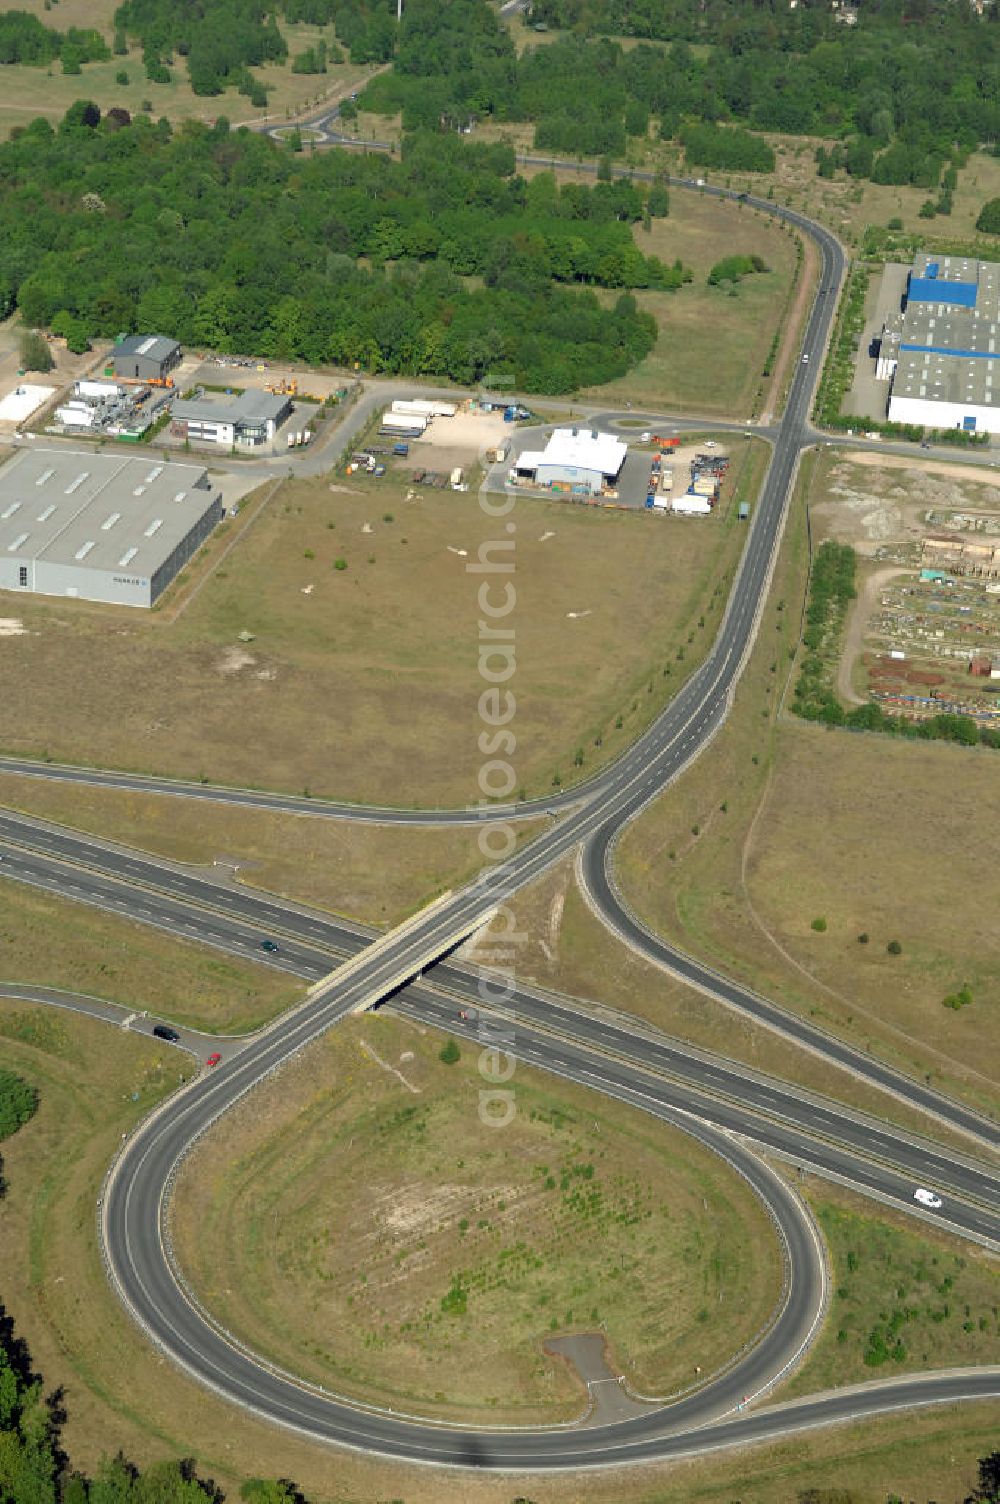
(396, 424)
(419, 408)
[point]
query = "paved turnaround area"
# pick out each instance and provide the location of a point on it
(721, 1104)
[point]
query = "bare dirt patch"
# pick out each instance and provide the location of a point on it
(855, 631)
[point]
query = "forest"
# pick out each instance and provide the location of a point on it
(908, 88)
(444, 263)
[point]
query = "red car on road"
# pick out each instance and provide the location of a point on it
(213, 1059)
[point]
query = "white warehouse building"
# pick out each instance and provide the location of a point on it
(942, 356)
(100, 527)
(582, 461)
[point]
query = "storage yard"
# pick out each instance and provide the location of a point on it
(705, 473)
(432, 443)
(924, 633)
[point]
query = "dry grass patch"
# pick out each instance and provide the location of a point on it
(56, 943)
(888, 868)
(359, 1223)
(570, 951)
(373, 874)
(368, 686)
(847, 206)
(712, 345)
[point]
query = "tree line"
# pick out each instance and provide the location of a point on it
(25, 39)
(445, 263)
(902, 93)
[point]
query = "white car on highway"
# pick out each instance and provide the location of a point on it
(927, 1198)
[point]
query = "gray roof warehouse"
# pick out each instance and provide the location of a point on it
(100, 527)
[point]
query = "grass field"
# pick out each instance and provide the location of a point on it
(119, 1395)
(374, 874)
(368, 687)
(373, 1234)
(904, 1298)
(569, 950)
(848, 206)
(712, 345)
(28, 91)
(741, 854)
(57, 943)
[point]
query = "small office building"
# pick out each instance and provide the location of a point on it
(246, 421)
(100, 527)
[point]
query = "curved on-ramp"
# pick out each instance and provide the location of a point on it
(135, 1237)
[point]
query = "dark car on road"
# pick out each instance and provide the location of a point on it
(269, 946)
(160, 1031)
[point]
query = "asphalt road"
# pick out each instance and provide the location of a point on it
(543, 1028)
(133, 1203)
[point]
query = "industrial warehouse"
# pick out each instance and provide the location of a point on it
(940, 353)
(100, 527)
(146, 357)
(579, 461)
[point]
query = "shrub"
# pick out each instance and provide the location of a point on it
(35, 352)
(18, 1102)
(734, 269)
(863, 938)
(819, 925)
(894, 948)
(450, 1054)
(340, 563)
(989, 217)
(455, 1303)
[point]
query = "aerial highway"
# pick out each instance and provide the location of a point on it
(136, 1193)
(310, 944)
